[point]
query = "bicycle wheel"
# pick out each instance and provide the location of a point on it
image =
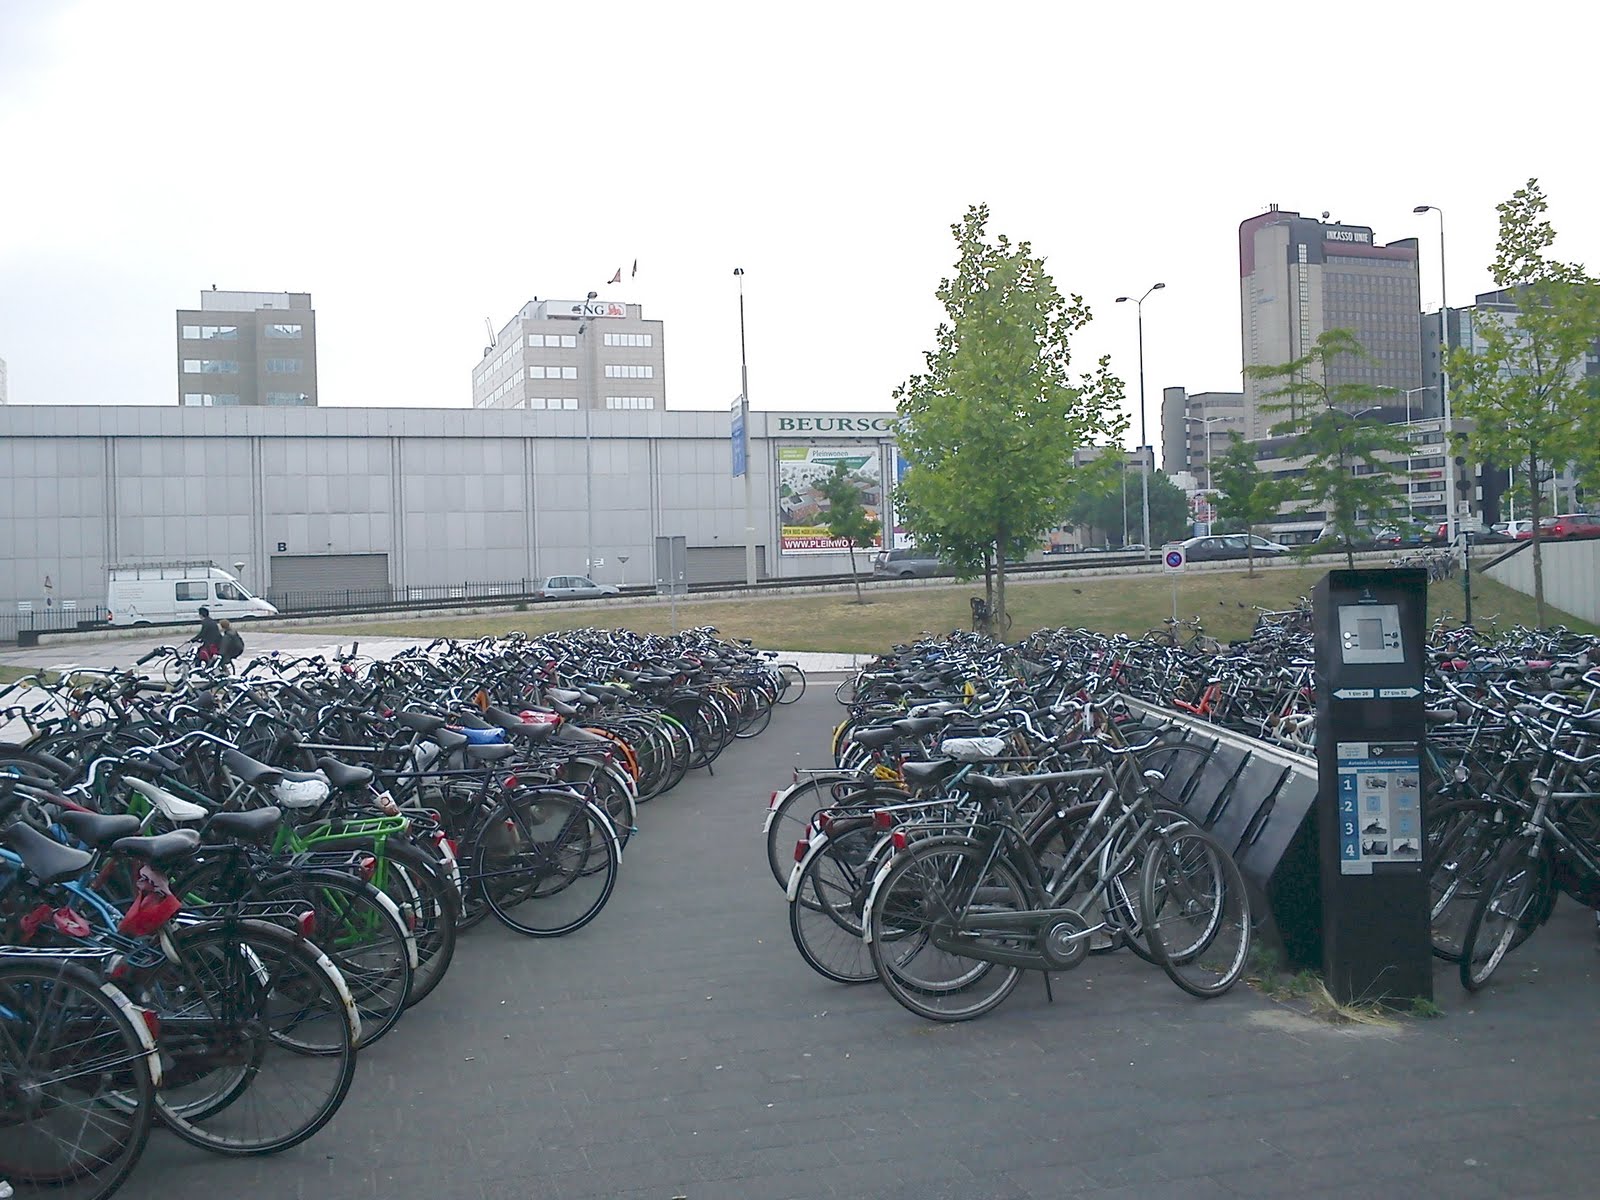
(547, 863)
(1516, 897)
(430, 905)
(361, 931)
(790, 822)
(1195, 910)
(1462, 843)
(76, 1091)
(755, 713)
(926, 891)
(794, 683)
(826, 916)
(258, 1037)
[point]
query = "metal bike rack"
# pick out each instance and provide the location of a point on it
(1259, 800)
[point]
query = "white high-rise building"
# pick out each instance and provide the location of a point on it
(574, 354)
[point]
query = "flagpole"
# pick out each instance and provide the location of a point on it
(744, 407)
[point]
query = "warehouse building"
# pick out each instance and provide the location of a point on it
(313, 499)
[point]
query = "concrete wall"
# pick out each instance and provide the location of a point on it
(450, 496)
(1571, 576)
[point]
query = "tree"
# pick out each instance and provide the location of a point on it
(1101, 502)
(1342, 463)
(847, 518)
(1520, 386)
(989, 428)
(1245, 494)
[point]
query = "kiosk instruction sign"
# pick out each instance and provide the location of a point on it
(1380, 805)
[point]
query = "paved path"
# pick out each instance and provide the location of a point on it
(678, 1047)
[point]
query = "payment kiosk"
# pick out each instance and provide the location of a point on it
(1368, 631)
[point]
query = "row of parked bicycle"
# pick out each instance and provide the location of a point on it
(1512, 818)
(212, 897)
(987, 814)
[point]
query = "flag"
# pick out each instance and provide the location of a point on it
(635, 268)
(617, 278)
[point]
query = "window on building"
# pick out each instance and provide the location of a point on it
(569, 403)
(629, 339)
(554, 341)
(285, 331)
(191, 332)
(225, 333)
(630, 401)
(285, 366)
(286, 398)
(210, 366)
(629, 371)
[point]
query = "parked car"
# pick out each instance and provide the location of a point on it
(151, 593)
(574, 587)
(1230, 545)
(1570, 525)
(905, 564)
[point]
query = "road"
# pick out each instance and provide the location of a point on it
(678, 1047)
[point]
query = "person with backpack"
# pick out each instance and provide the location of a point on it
(232, 644)
(209, 637)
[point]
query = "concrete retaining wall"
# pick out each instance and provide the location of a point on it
(1571, 576)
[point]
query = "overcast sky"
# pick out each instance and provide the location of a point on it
(418, 169)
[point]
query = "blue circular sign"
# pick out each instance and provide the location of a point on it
(1174, 558)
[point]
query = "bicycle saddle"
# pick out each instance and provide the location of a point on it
(98, 830)
(48, 860)
(874, 738)
(344, 778)
(919, 775)
(256, 774)
(256, 825)
(163, 848)
(419, 722)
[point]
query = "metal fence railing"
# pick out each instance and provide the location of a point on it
(14, 627)
(339, 600)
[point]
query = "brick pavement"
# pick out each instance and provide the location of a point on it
(678, 1047)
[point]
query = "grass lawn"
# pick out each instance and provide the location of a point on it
(1224, 600)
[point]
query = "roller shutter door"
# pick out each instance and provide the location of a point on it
(303, 576)
(722, 564)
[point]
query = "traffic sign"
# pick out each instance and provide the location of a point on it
(1173, 559)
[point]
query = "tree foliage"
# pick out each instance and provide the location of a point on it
(1340, 455)
(1520, 385)
(847, 517)
(989, 427)
(1245, 495)
(1108, 499)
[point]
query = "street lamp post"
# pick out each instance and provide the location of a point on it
(744, 403)
(1452, 522)
(1144, 441)
(1206, 423)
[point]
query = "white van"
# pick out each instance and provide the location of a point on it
(154, 593)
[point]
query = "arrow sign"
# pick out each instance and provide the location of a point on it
(1400, 693)
(1359, 693)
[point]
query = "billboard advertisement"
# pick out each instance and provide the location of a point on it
(802, 509)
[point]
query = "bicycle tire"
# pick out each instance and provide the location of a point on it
(40, 999)
(541, 847)
(1462, 842)
(1516, 897)
(923, 889)
(1195, 910)
(795, 685)
(284, 1000)
(827, 930)
(790, 823)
